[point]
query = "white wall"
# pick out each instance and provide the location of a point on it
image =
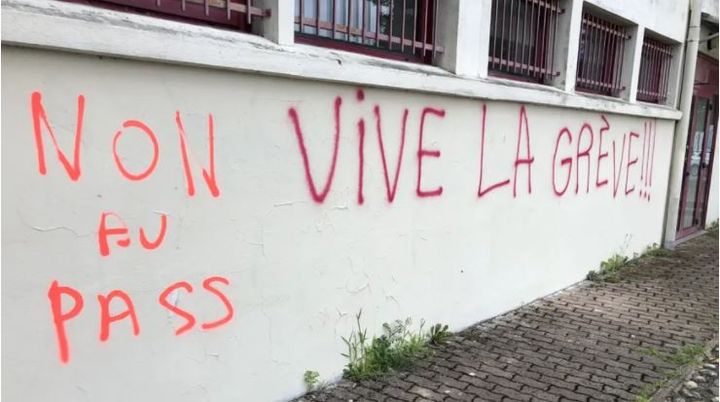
(297, 270)
(710, 7)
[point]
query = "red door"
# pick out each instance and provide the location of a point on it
(699, 151)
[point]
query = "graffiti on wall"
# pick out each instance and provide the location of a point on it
(66, 302)
(578, 156)
(581, 158)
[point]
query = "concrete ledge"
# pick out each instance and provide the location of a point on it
(89, 30)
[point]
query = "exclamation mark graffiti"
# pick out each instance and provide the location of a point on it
(648, 157)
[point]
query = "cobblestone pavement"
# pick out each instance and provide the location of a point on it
(701, 385)
(589, 342)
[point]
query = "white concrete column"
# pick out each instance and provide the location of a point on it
(463, 30)
(631, 66)
(483, 23)
(567, 43)
(677, 162)
(279, 26)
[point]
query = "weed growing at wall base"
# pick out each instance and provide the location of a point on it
(311, 378)
(655, 250)
(611, 268)
(397, 348)
(439, 334)
(712, 229)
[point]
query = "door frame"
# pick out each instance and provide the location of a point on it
(712, 119)
(707, 90)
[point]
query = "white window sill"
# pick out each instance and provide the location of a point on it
(78, 28)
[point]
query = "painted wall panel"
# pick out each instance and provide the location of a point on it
(295, 249)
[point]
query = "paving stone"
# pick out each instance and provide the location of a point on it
(512, 394)
(585, 343)
(367, 394)
(426, 393)
(399, 394)
(483, 395)
(455, 394)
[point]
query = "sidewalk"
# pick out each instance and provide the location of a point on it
(592, 342)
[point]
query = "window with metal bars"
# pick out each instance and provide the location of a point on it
(397, 29)
(522, 39)
(235, 14)
(600, 56)
(654, 71)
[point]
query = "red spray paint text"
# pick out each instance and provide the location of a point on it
(112, 226)
(579, 155)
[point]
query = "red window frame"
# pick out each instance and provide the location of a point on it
(417, 26)
(600, 56)
(654, 74)
(522, 39)
(232, 14)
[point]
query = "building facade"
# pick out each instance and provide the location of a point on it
(200, 195)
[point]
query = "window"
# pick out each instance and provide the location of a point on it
(236, 14)
(654, 71)
(398, 29)
(600, 56)
(522, 39)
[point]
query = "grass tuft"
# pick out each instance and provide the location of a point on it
(712, 229)
(609, 269)
(398, 347)
(311, 379)
(655, 250)
(683, 356)
(439, 334)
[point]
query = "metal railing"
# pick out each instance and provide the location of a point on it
(235, 14)
(399, 29)
(654, 71)
(601, 56)
(522, 38)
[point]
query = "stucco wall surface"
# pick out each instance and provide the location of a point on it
(270, 259)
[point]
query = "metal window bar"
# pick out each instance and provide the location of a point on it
(522, 39)
(398, 29)
(654, 71)
(600, 56)
(235, 14)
